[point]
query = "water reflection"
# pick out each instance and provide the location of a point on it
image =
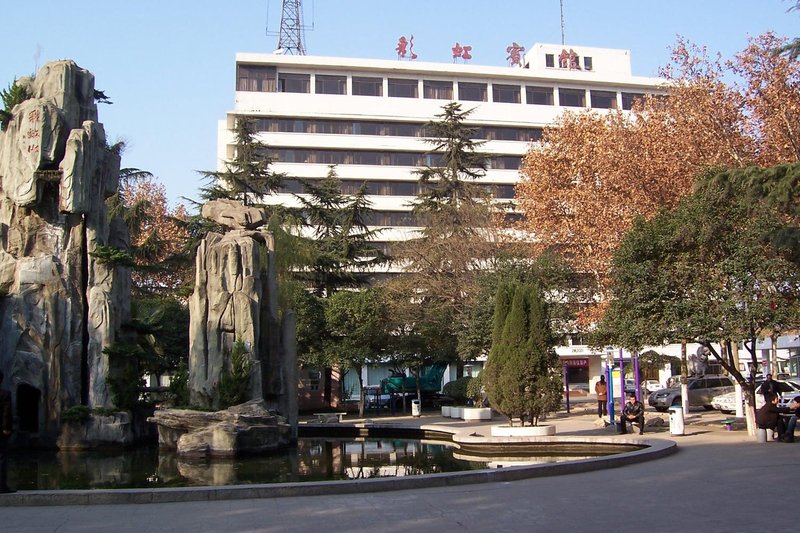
(311, 460)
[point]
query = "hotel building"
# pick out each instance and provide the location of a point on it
(367, 118)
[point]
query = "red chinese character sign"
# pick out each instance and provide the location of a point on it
(405, 47)
(462, 52)
(568, 59)
(514, 54)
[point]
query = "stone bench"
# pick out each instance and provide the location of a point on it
(329, 418)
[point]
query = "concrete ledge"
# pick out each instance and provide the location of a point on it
(653, 449)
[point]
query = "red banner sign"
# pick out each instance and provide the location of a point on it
(576, 363)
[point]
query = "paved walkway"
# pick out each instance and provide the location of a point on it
(718, 481)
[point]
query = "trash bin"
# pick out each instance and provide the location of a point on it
(761, 434)
(676, 420)
(416, 408)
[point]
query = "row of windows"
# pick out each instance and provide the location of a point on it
(409, 219)
(379, 158)
(394, 129)
(260, 78)
(390, 188)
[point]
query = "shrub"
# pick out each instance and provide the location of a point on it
(475, 390)
(234, 382)
(76, 413)
(457, 389)
(178, 392)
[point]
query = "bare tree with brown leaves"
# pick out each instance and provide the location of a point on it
(594, 173)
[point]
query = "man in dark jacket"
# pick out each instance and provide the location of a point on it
(768, 416)
(769, 388)
(788, 436)
(633, 413)
(5, 432)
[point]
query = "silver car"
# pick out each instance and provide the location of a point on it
(701, 392)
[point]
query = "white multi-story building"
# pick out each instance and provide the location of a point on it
(366, 117)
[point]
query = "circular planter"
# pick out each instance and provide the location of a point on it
(526, 431)
(472, 414)
(446, 411)
(455, 412)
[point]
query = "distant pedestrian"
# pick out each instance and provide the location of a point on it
(601, 390)
(5, 432)
(769, 388)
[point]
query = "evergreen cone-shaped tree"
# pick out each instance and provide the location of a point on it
(522, 378)
(543, 392)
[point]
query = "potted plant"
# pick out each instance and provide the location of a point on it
(476, 395)
(457, 390)
(522, 373)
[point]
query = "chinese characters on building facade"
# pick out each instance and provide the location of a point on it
(462, 52)
(514, 54)
(405, 47)
(568, 59)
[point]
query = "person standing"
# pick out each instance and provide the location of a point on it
(5, 433)
(601, 390)
(633, 413)
(769, 388)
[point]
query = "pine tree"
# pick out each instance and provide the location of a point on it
(340, 241)
(247, 176)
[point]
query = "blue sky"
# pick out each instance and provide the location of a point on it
(168, 65)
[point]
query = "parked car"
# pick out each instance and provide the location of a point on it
(787, 390)
(650, 386)
(702, 390)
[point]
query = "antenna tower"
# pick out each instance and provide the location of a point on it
(290, 37)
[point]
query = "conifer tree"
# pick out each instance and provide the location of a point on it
(521, 375)
(247, 176)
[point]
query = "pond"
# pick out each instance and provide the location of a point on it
(313, 459)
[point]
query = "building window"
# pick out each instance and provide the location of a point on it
(437, 90)
(367, 86)
(473, 92)
(629, 98)
(507, 162)
(324, 84)
(539, 95)
(333, 126)
(603, 99)
(293, 83)
(505, 93)
(255, 78)
(587, 63)
(550, 60)
(572, 97)
(403, 88)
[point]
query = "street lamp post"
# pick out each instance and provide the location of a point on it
(610, 381)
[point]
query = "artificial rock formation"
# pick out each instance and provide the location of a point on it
(59, 306)
(243, 429)
(235, 298)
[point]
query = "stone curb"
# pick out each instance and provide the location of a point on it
(655, 449)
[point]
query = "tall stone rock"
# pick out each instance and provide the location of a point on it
(59, 306)
(235, 298)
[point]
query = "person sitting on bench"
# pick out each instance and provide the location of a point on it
(633, 413)
(768, 416)
(794, 406)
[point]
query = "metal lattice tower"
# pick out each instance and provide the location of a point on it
(290, 37)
